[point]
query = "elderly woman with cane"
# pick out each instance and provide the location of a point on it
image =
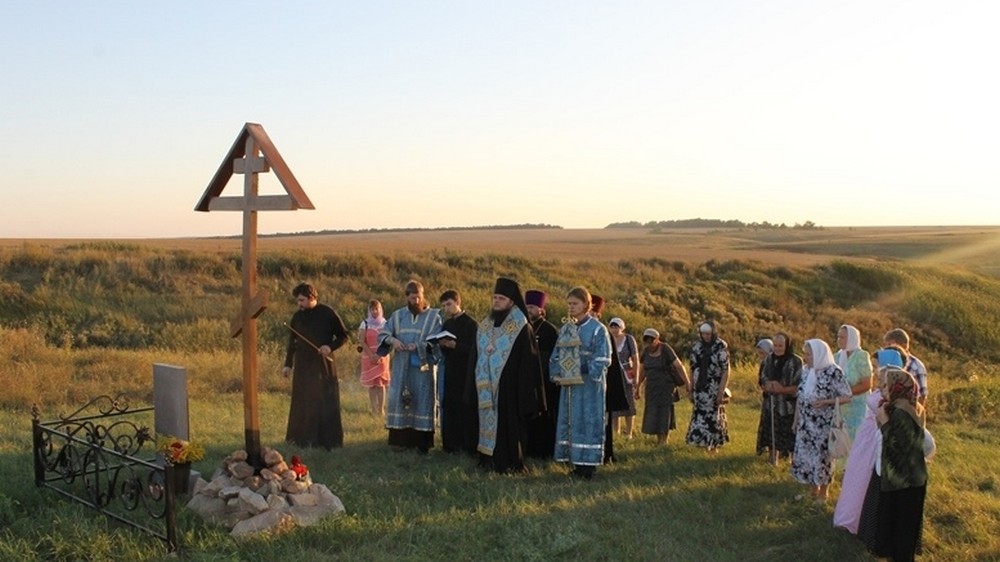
(779, 378)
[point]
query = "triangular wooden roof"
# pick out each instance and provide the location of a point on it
(297, 198)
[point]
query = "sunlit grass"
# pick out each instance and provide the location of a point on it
(672, 502)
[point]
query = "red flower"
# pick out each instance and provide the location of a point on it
(301, 470)
(175, 450)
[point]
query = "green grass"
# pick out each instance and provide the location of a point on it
(672, 502)
(90, 319)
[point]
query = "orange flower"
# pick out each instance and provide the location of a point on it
(179, 451)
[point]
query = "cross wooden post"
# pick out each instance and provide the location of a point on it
(252, 164)
(245, 158)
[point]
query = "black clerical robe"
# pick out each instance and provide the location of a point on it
(314, 414)
(459, 411)
(542, 428)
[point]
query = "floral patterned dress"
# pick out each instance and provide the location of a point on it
(811, 462)
(708, 418)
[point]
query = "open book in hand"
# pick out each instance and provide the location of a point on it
(443, 334)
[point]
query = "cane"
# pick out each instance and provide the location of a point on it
(774, 450)
(305, 339)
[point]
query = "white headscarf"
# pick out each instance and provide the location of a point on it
(822, 356)
(767, 344)
(853, 344)
(853, 338)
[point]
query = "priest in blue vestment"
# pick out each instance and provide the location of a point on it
(410, 398)
(509, 384)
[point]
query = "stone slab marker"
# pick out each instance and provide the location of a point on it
(170, 403)
(170, 400)
(252, 153)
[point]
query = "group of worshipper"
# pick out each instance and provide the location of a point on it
(513, 385)
(508, 386)
(880, 398)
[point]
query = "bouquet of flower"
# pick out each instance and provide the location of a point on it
(179, 451)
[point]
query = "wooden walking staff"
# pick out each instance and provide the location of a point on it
(251, 154)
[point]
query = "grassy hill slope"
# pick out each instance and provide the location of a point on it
(88, 318)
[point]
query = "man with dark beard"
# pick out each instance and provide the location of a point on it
(316, 331)
(508, 379)
(410, 408)
(457, 378)
(542, 429)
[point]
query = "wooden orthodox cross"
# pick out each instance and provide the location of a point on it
(251, 154)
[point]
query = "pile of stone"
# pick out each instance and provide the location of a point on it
(278, 498)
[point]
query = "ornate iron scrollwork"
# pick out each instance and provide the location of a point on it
(95, 459)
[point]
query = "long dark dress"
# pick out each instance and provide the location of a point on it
(787, 370)
(903, 487)
(459, 413)
(519, 396)
(615, 400)
(628, 347)
(542, 428)
(658, 417)
(314, 414)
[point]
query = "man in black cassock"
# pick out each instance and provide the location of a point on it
(542, 429)
(509, 383)
(316, 332)
(457, 384)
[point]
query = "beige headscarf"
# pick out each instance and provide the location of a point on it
(903, 392)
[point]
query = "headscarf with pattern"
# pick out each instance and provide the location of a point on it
(903, 393)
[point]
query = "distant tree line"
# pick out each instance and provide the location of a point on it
(525, 226)
(711, 223)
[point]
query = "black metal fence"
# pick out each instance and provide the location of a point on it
(103, 456)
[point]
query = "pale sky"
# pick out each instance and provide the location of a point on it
(114, 116)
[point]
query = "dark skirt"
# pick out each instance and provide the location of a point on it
(630, 397)
(784, 434)
(900, 523)
(658, 418)
(868, 523)
(891, 523)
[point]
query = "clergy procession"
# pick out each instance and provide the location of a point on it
(513, 385)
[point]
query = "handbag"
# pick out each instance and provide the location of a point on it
(930, 446)
(840, 438)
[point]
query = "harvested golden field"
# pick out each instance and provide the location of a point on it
(977, 248)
